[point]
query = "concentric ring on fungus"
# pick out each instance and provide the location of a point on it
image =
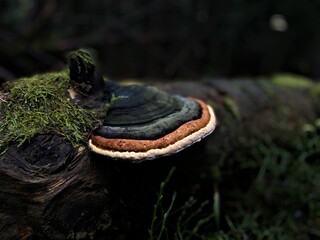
(175, 141)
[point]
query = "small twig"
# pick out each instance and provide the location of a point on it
(3, 100)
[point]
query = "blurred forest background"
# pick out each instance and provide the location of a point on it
(163, 38)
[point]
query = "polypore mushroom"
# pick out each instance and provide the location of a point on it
(148, 123)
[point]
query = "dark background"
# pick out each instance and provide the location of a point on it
(163, 38)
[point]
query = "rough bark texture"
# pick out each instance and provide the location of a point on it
(49, 190)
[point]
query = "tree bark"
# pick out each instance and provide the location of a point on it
(50, 190)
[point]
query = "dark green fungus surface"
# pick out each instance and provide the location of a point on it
(146, 113)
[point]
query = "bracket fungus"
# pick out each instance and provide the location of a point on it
(148, 123)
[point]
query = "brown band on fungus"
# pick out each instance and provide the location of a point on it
(123, 145)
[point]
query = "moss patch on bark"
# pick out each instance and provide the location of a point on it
(42, 104)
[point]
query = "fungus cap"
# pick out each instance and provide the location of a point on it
(149, 123)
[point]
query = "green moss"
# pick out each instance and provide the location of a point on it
(41, 104)
(82, 67)
(82, 58)
(291, 80)
(314, 93)
(231, 106)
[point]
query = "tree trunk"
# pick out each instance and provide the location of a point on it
(50, 190)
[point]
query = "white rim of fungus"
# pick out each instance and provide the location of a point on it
(160, 152)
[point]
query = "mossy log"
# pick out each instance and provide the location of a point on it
(52, 190)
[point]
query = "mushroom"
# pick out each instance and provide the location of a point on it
(148, 123)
